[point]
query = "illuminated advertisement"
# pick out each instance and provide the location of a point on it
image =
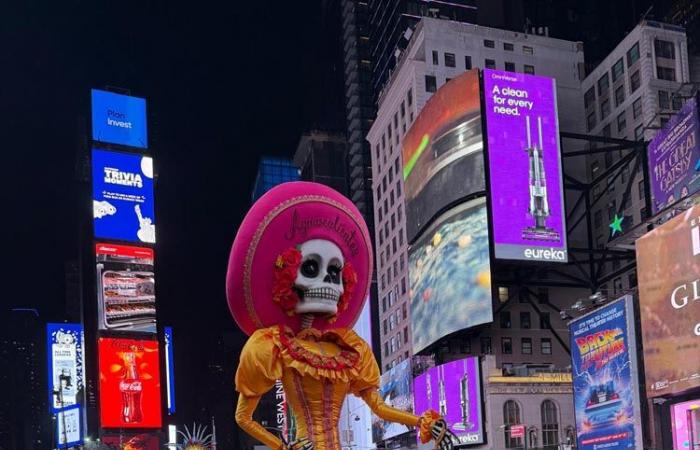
(129, 383)
(443, 159)
(64, 345)
(450, 277)
(141, 441)
(397, 391)
(668, 267)
(126, 299)
(674, 158)
(122, 201)
(604, 366)
(170, 370)
(685, 419)
(454, 391)
(525, 183)
(119, 119)
(69, 430)
(275, 413)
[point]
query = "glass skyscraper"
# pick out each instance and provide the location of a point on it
(271, 172)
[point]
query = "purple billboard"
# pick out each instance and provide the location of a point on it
(454, 391)
(527, 199)
(674, 158)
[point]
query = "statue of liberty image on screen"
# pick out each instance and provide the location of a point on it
(538, 207)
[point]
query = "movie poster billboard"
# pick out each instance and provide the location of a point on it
(524, 163)
(450, 274)
(454, 391)
(169, 370)
(673, 155)
(129, 383)
(606, 389)
(69, 428)
(685, 420)
(65, 346)
(131, 441)
(443, 159)
(119, 119)
(396, 388)
(668, 269)
(126, 299)
(122, 189)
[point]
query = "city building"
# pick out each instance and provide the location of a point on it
(320, 157)
(630, 95)
(272, 171)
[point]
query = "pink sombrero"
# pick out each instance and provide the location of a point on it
(282, 219)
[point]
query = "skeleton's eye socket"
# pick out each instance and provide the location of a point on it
(334, 272)
(309, 268)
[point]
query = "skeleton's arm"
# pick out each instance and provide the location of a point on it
(244, 418)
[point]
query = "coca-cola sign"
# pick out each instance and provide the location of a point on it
(668, 265)
(129, 383)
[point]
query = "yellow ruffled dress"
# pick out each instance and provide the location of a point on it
(318, 370)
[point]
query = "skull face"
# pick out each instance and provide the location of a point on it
(319, 280)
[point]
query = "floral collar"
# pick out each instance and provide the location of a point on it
(346, 359)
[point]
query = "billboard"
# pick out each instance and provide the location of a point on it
(668, 268)
(396, 389)
(141, 441)
(449, 273)
(454, 391)
(69, 430)
(126, 299)
(129, 383)
(122, 196)
(66, 362)
(685, 419)
(443, 159)
(673, 154)
(169, 370)
(119, 119)
(524, 162)
(604, 366)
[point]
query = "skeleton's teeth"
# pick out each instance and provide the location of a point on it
(328, 294)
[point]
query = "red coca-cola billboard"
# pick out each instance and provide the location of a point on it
(129, 383)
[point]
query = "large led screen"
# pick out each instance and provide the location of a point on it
(443, 159)
(130, 441)
(119, 119)
(454, 391)
(668, 268)
(674, 158)
(69, 429)
(64, 345)
(685, 418)
(604, 366)
(126, 299)
(129, 383)
(525, 184)
(122, 189)
(397, 391)
(450, 277)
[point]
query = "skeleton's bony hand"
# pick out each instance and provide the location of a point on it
(300, 444)
(444, 438)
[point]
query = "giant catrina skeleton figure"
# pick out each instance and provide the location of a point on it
(298, 276)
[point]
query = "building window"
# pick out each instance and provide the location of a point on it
(604, 109)
(664, 49)
(676, 102)
(603, 85)
(589, 97)
(635, 82)
(665, 73)
(507, 46)
(403, 281)
(510, 66)
(545, 323)
(435, 58)
(594, 167)
(398, 186)
(511, 416)
(550, 425)
(490, 63)
(546, 346)
(528, 50)
(488, 43)
(598, 219)
(640, 187)
(639, 133)
(430, 83)
(612, 210)
(505, 319)
(409, 96)
(611, 184)
(506, 346)
(632, 279)
(405, 335)
(608, 159)
(527, 68)
(617, 285)
(467, 62)
(590, 121)
(543, 295)
(450, 60)
(621, 122)
(486, 345)
(618, 69)
(525, 320)
(633, 54)
(637, 108)
(619, 95)
(526, 346)
(502, 294)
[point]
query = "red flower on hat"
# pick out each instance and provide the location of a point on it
(285, 272)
